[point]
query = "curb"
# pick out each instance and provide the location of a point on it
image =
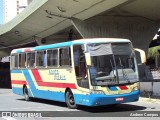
(151, 100)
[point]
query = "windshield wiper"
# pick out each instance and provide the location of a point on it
(124, 73)
(113, 70)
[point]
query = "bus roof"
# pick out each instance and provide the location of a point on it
(75, 42)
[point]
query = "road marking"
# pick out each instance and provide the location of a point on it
(9, 118)
(60, 110)
(41, 109)
(28, 108)
(6, 94)
(36, 108)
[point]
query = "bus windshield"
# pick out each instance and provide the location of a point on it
(112, 64)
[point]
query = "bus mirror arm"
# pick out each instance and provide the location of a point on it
(88, 59)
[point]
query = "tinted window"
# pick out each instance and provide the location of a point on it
(65, 58)
(41, 58)
(14, 61)
(22, 60)
(52, 57)
(31, 59)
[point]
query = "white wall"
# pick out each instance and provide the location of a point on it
(146, 86)
(150, 87)
(156, 88)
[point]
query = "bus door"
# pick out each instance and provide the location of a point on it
(80, 67)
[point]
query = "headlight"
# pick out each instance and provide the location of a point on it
(134, 88)
(97, 92)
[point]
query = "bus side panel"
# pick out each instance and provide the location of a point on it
(20, 78)
(49, 95)
(43, 83)
(17, 80)
(41, 89)
(17, 90)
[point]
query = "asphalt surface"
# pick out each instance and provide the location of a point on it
(17, 106)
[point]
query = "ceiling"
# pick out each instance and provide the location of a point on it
(47, 17)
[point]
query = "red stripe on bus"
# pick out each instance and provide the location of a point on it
(19, 82)
(123, 87)
(39, 81)
(27, 50)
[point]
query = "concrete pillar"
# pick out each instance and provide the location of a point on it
(139, 30)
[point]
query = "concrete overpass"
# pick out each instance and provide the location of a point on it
(49, 21)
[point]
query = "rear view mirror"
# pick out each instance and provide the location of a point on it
(88, 59)
(142, 55)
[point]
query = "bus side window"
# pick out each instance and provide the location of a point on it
(22, 60)
(14, 61)
(52, 57)
(28, 59)
(65, 57)
(76, 60)
(41, 59)
(45, 59)
(31, 59)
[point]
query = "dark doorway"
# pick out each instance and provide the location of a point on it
(5, 79)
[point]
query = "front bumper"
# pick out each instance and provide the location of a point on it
(101, 99)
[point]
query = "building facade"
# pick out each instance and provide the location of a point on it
(13, 7)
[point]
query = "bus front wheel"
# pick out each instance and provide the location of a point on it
(25, 93)
(70, 100)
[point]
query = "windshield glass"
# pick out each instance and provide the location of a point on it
(102, 70)
(112, 64)
(125, 68)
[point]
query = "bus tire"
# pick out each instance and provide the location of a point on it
(25, 93)
(70, 100)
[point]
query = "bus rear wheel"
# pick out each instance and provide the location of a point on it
(25, 93)
(70, 100)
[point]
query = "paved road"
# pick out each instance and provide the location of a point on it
(12, 102)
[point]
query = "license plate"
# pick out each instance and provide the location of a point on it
(119, 99)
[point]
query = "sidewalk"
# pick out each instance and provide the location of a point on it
(4, 91)
(151, 99)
